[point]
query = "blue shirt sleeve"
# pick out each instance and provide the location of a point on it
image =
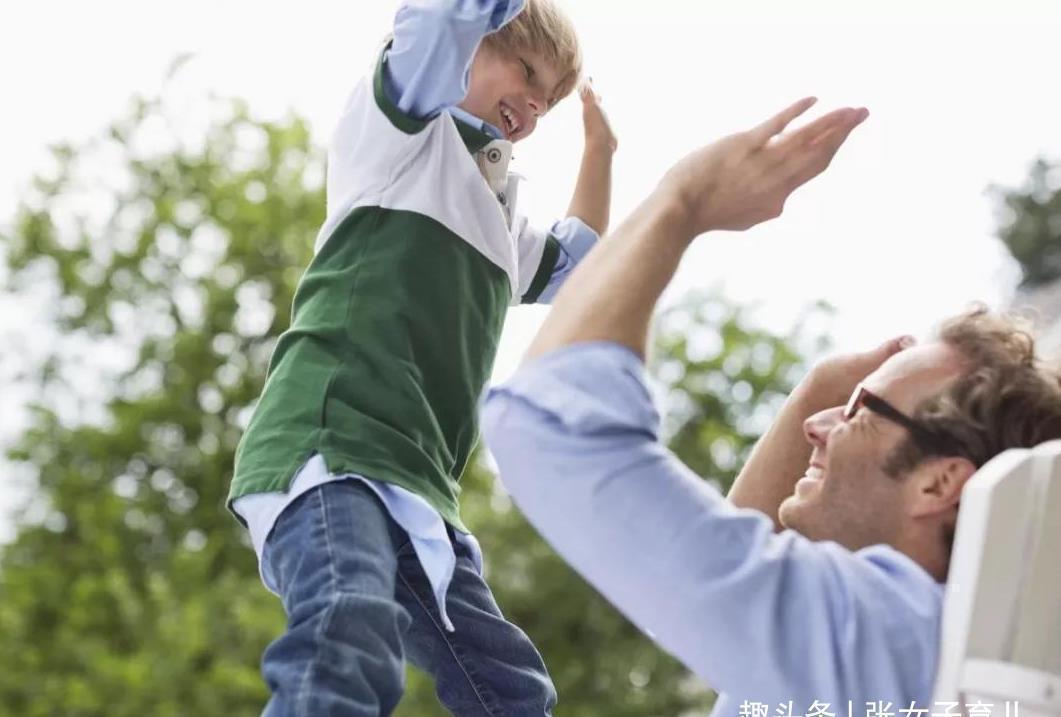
(759, 616)
(434, 43)
(576, 238)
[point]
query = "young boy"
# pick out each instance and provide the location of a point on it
(347, 474)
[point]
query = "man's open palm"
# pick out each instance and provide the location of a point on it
(744, 179)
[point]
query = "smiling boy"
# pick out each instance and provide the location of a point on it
(347, 475)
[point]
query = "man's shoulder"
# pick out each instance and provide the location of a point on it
(898, 585)
(896, 565)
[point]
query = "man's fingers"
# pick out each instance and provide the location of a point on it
(776, 124)
(886, 350)
(813, 131)
(829, 143)
(844, 124)
(815, 154)
(867, 362)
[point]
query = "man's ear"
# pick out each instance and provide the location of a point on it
(937, 485)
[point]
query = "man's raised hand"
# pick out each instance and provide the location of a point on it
(744, 179)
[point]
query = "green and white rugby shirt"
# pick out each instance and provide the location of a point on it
(396, 321)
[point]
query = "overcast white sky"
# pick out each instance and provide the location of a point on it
(896, 235)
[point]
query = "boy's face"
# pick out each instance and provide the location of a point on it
(510, 90)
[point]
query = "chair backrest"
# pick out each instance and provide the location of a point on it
(1001, 633)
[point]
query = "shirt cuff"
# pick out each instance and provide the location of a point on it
(504, 12)
(576, 238)
(587, 388)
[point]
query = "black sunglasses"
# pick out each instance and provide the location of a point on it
(928, 439)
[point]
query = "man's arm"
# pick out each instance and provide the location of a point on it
(760, 616)
(433, 46)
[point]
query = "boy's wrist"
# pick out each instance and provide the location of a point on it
(603, 147)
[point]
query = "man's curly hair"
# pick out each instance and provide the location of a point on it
(1005, 398)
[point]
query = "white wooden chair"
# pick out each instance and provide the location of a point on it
(1001, 632)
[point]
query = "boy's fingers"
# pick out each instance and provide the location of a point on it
(776, 124)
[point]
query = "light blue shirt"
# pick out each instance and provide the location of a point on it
(763, 617)
(427, 73)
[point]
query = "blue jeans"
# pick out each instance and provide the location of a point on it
(358, 602)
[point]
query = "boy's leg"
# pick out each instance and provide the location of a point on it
(488, 666)
(333, 557)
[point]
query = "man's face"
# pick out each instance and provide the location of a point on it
(845, 495)
(510, 91)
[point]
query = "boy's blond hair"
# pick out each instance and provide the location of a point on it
(543, 28)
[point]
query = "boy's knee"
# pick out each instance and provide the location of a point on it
(342, 654)
(363, 621)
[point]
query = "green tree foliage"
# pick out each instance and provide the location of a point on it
(134, 594)
(174, 255)
(1031, 224)
(727, 379)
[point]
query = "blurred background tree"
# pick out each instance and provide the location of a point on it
(167, 260)
(1030, 225)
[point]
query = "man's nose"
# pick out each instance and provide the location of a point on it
(818, 427)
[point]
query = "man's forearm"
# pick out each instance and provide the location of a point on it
(613, 292)
(591, 201)
(778, 460)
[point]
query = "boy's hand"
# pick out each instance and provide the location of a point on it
(744, 179)
(599, 134)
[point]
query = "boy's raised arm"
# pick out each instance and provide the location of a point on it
(591, 201)
(589, 211)
(434, 43)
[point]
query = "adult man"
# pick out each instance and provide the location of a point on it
(844, 614)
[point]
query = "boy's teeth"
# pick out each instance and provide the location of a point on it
(509, 120)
